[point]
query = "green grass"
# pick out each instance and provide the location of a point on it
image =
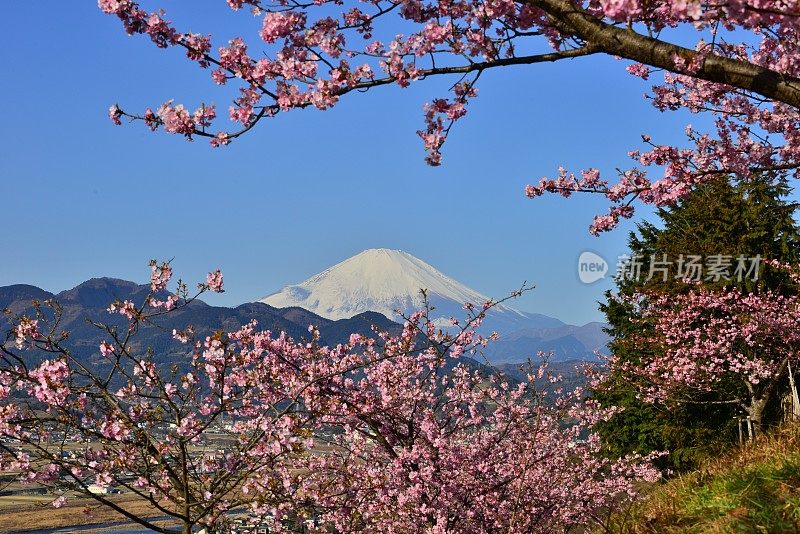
(754, 489)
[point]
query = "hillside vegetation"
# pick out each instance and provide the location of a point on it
(755, 488)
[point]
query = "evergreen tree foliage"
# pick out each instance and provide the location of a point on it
(745, 218)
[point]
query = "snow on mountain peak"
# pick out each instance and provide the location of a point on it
(381, 280)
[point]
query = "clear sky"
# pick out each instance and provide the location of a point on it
(83, 198)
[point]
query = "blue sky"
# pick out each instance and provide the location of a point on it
(82, 198)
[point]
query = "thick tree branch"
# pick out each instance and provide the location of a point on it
(627, 43)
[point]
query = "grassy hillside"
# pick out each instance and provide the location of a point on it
(752, 489)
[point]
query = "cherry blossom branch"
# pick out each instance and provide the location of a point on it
(627, 43)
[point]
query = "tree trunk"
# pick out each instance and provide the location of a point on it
(756, 411)
(760, 396)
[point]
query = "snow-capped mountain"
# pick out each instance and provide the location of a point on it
(385, 281)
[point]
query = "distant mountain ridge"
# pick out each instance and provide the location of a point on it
(388, 282)
(90, 301)
(14, 296)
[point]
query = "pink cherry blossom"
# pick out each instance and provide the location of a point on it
(126, 308)
(115, 113)
(736, 62)
(25, 330)
(106, 349)
(160, 276)
(407, 427)
(707, 337)
(214, 281)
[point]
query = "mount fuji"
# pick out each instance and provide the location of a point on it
(387, 281)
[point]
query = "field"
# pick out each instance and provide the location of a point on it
(24, 513)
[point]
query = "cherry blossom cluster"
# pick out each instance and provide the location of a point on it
(752, 134)
(139, 418)
(707, 338)
(390, 432)
(736, 61)
(427, 451)
(160, 276)
(214, 281)
(26, 330)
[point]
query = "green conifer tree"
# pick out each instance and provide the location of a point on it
(747, 218)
